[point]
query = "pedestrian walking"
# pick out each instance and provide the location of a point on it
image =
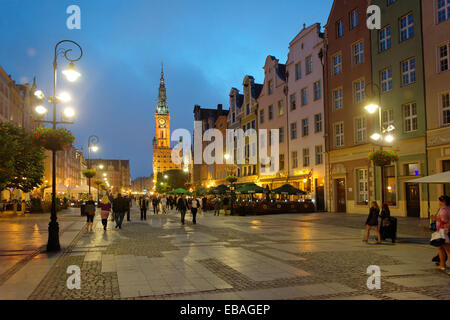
(194, 209)
(443, 227)
(216, 206)
(119, 206)
(388, 225)
(372, 222)
(164, 204)
(105, 206)
(143, 205)
(128, 204)
(182, 206)
(155, 203)
(90, 213)
(204, 204)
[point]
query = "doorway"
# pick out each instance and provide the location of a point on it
(412, 200)
(320, 197)
(340, 195)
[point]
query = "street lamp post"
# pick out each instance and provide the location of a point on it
(92, 144)
(379, 138)
(72, 75)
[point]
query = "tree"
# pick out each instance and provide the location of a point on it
(175, 179)
(27, 168)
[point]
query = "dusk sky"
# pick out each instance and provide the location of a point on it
(207, 48)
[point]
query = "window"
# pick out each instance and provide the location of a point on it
(444, 57)
(337, 64)
(261, 116)
(386, 80)
(294, 160)
(318, 123)
(305, 128)
(410, 117)
(363, 186)
(306, 157)
(353, 19)
(294, 130)
(446, 108)
(385, 38)
(409, 71)
(234, 117)
(358, 53)
(281, 135)
(319, 154)
(270, 112)
(337, 99)
(270, 87)
(281, 162)
(443, 10)
(360, 130)
(308, 65)
(359, 88)
(339, 29)
(412, 169)
(298, 71)
(339, 134)
(280, 108)
(317, 91)
(253, 124)
(387, 118)
(304, 96)
(293, 102)
(407, 27)
(247, 109)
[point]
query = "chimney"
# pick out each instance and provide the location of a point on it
(219, 107)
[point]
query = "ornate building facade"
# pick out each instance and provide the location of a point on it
(162, 152)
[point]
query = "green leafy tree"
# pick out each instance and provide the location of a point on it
(27, 169)
(175, 179)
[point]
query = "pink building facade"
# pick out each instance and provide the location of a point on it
(306, 114)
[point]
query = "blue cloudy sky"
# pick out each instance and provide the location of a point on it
(207, 48)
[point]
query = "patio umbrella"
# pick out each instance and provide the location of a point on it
(443, 177)
(180, 191)
(289, 190)
(221, 189)
(250, 188)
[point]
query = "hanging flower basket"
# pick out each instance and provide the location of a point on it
(53, 139)
(383, 158)
(89, 173)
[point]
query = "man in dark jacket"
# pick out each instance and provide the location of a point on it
(127, 203)
(182, 206)
(155, 204)
(119, 206)
(143, 204)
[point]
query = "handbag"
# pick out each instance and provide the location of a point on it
(438, 238)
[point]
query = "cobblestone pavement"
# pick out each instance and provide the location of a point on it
(312, 256)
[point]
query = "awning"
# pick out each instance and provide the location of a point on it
(60, 188)
(443, 177)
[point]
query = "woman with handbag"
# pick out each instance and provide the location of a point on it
(90, 213)
(105, 206)
(372, 222)
(443, 226)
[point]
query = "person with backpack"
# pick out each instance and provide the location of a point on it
(90, 213)
(182, 206)
(194, 209)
